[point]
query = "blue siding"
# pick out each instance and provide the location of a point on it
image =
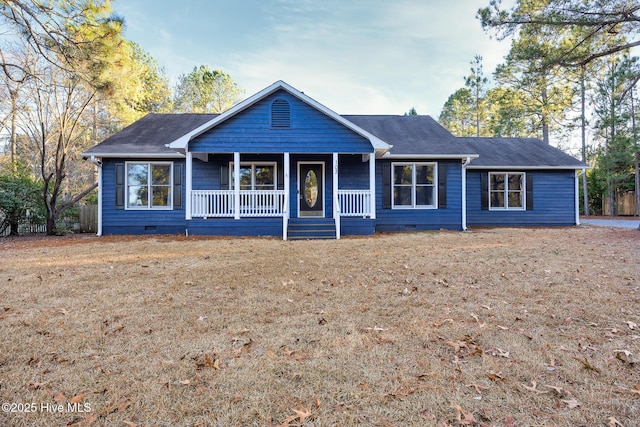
(449, 218)
(553, 202)
(233, 227)
(250, 131)
(122, 221)
(353, 173)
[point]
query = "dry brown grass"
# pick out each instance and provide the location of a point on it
(498, 327)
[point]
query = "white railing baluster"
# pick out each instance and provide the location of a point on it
(355, 202)
(253, 203)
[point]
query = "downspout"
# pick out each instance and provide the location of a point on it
(577, 195)
(464, 192)
(99, 165)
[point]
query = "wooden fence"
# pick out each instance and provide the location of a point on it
(88, 218)
(625, 204)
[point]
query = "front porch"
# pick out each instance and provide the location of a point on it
(283, 187)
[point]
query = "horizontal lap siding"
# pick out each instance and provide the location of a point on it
(239, 227)
(311, 132)
(353, 173)
(553, 202)
(449, 218)
(148, 221)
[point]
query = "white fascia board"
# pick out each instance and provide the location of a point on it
(430, 156)
(136, 155)
(182, 142)
(529, 167)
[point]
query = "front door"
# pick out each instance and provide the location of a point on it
(311, 189)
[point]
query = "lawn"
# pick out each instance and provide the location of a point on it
(496, 327)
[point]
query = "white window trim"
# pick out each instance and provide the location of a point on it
(506, 191)
(149, 207)
(253, 173)
(434, 165)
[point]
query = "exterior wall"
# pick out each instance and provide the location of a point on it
(449, 218)
(553, 201)
(123, 221)
(250, 131)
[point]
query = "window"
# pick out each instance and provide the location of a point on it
(414, 185)
(149, 185)
(506, 190)
(255, 176)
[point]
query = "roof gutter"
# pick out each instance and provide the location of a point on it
(99, 166)
(503, 167)
(465, 163)
(431, 156)
(135, 155)
(577, 191)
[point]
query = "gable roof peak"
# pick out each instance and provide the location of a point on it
(181, 143)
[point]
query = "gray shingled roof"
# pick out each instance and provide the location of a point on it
(149, 135)
(409, 135)
(519, 152)
(412, 135)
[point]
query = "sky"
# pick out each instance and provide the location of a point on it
(353, 56)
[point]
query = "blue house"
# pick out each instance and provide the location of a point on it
(282, 164)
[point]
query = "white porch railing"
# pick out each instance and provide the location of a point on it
(355, 202)
(253, 203)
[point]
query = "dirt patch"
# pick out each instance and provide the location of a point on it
(510, 327)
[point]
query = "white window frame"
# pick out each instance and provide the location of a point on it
(253, 173)
(149, 186)
(433, 165)
(506, 191)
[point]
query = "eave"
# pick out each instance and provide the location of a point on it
(135, 155)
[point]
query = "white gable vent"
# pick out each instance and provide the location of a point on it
(280, 114)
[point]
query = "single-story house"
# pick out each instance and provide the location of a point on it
(282, 164)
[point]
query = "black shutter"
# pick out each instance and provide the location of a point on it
(224, 177)
(529, 192)
(120, 185)
(386, 185)
(442, 186)
(178, 187)
(280, 177)
(484, 191)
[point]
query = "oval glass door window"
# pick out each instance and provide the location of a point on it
(311, 188)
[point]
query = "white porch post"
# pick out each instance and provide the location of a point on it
(99, 231)
(336, 200)
(236, 185)
(372, 185)
(465, 163)
(188, 185)
(577, 195)
(287, 203)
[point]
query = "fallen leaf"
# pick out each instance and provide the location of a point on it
(185, 382)
(494, 376)
(632, 325)
(508, 422)
(129, 423)
(60, 398)
(478, 387)
(614, 423)
(501, 353)
(559, 390)
(587, 365)
(533, 388)
(464, 418)
(571, 403)
(77, 398)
